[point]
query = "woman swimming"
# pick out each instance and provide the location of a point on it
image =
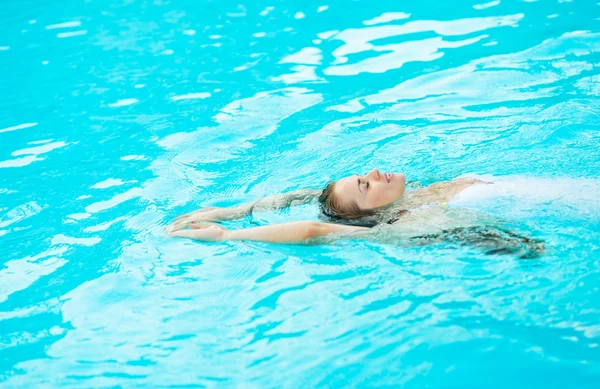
(373, 206)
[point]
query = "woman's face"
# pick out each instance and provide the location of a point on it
(373, 190)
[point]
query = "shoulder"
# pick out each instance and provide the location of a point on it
(469, 181)
(475, 178)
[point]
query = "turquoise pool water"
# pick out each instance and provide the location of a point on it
(117, 116)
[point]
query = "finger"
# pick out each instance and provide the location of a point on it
(184, 216)
(181, 217)
(182, 223)
(175, 227)
(204, 217)
(197, 226)
(190, 214)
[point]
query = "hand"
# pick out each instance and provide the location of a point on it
(204, 232)
(201, 215)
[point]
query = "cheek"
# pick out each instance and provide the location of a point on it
(394, 193)
(382, 197)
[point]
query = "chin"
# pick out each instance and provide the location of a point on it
(401, 178)
(401, 182)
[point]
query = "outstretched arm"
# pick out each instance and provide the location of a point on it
(297, 232)
(269, 203)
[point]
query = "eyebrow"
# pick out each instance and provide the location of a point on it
(359, 191)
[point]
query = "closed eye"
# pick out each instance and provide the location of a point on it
(367, 185)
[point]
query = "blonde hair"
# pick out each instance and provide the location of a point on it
(333, 207)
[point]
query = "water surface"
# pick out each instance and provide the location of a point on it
(117, 116)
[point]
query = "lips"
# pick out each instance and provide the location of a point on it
(388, 177)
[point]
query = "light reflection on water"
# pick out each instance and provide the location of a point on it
(118, 117)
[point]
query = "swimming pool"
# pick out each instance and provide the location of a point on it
(118, 116)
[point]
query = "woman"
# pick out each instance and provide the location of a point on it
(373, 206)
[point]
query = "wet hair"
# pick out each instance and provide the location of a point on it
(333, 209)
(494, 240)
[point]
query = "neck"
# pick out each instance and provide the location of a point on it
(439, 192)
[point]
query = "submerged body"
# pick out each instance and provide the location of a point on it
(433, 214)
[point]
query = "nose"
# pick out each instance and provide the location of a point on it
(375, 174)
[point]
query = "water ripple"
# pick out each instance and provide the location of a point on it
(145, 110)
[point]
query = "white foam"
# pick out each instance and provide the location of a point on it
(113, 202)
(386, 18)
(191, 96)
(19, 213)
(20, 162)
(133, 158)
(18, 274)
(266, 11)
(526, 195)
(302, 73)
(108, 183)
(104, 226)
(327, 34)
(71, 34)
(39, 149)
(63, 239)
(306, 56)
(79, 216)
(75, 23)
(18, 127)
(486, 5)
(123, 103)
